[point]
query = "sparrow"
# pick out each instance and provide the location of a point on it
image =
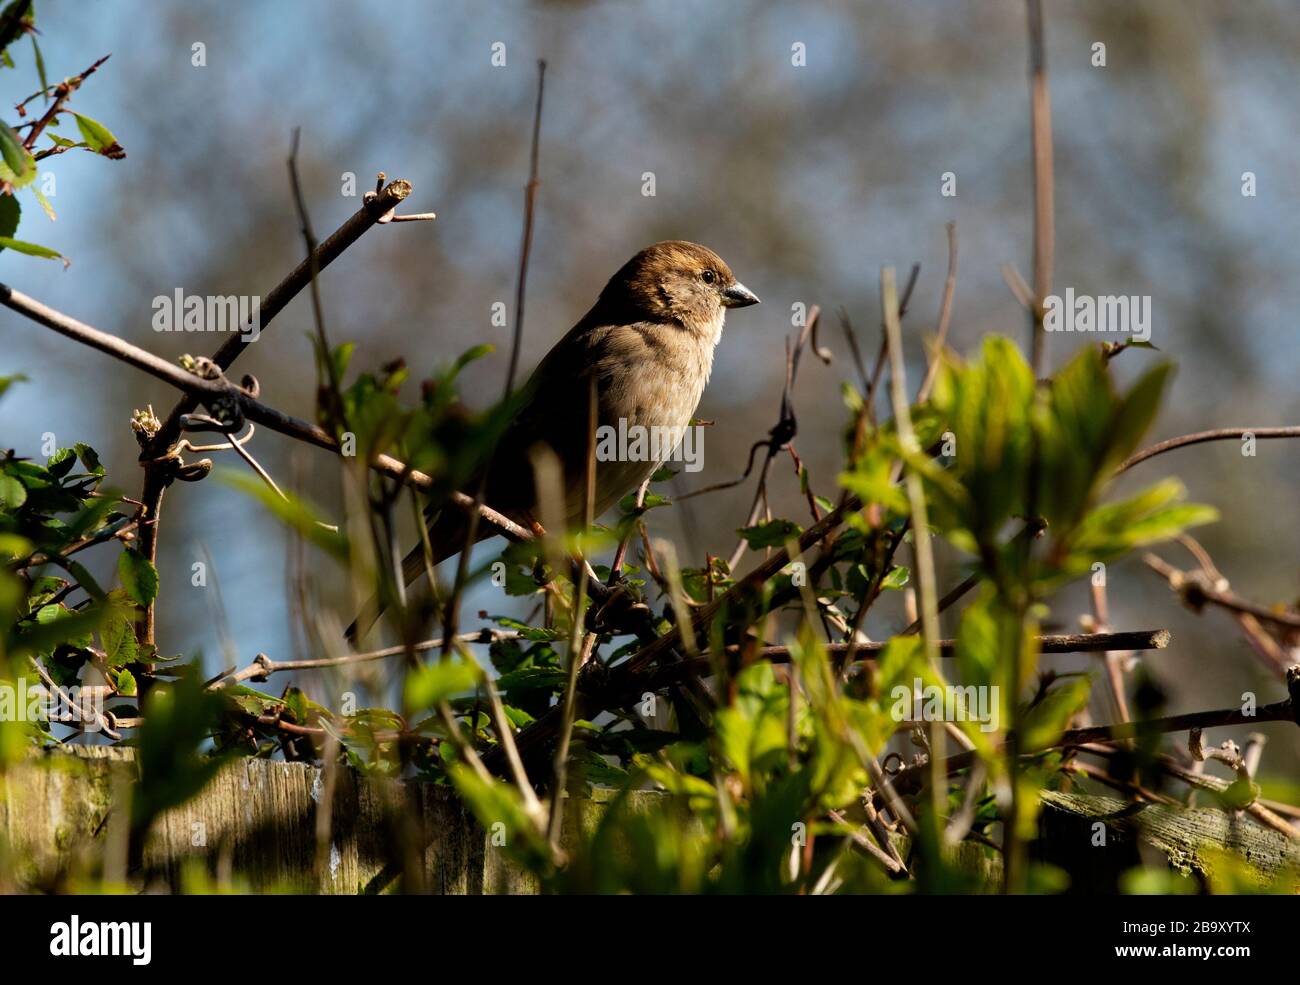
(648, 344)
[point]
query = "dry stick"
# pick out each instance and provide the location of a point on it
(1262, 812)
(63, 91)
(1263, 643)
(102, 721)
(892, 865)
(779, 436)
(1148, 639)
(1196, 594)
(1044, 257)
(506, 738)
(1141, 639)
(198, 390)
(1113, 660)
(921, 545)
(616, 566)
(1200, 437)
(1044, 221)
(945, 315)
(1287, 710)
(263, 666)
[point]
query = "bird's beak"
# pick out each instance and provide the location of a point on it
(738, 296)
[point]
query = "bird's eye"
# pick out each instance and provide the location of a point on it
(708, 276)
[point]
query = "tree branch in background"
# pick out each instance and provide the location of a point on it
(1044, 205)
(199, 389)
(1200, 437)
(1196, 592)
(155, 448)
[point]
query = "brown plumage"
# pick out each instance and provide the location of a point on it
(648, 342)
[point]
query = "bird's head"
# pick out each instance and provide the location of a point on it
(680, 282)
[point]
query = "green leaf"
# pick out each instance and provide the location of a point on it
(126, 686)
(773, 533)
(12, 492)
(15, 19)
(987, 406)
(56, 624)
(61, 462)
(89, 458)
(470, 355)
(535, 634)
(32, 249)
(7, 381)
(40, 68)
(896, 578)
(15, 154)
(496, 802)
(1047, 720)
(628, 503)
(118, 637)
(1136, 412)
(10, 212)
(435, 682)
(139, 577)
(752, 731)
(1113, 529)
(98, 137)
(44, 203)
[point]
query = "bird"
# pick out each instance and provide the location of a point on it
(648, 345)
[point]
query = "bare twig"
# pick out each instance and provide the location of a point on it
(945, 316)
(1196, 593)
(1044, 222)
(263, 666)
(1200, 437)
(916, 496)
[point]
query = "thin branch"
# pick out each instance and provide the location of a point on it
(921, 546)
(945, 316)
(200, 390)
(63, 91)
(1200, 437)
(263, 666)
(1044, 208)
(1196, 594)
(1147, 639)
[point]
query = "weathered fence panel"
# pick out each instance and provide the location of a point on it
(255, 827)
